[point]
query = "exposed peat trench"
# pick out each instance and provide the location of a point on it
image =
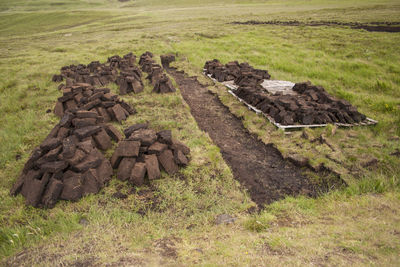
(371, 27)
(260, 168)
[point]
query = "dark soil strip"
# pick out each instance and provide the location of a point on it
(260, 168)
(371, 27)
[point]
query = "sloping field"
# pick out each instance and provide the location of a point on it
(175, 220)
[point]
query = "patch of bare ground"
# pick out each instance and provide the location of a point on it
(166, 247)
(75, 253)
(259, 167)
(267, 249)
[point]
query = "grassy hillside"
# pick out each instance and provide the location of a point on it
(172, 223)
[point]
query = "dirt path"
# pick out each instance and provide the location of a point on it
(260, 168)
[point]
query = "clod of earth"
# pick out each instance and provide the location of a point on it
(224, 219)
(119, 195)
(163, 85)
(396, 153)
(166, 60)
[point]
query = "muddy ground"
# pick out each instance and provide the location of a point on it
(260, 168)
(371, 27)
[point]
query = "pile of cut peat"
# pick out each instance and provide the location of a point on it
(312, 105)
(309, 105)
(240, 73)
(122, 71)
(156, 74)
(144, 151)
(83, 96)
(69, 163)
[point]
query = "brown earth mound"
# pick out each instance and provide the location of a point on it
(68, 164)
(371, 26)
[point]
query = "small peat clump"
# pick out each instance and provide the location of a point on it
(235, 71)
(145, 152)
(312, 105)
(167, 59)
(260, 168)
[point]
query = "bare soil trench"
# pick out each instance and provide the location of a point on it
(371, 27)
(260, 168)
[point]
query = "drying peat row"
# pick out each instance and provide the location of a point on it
(122, 71)
(70, 163)
(304, 104)
(83, 96)
(156, 74)
(381, 26)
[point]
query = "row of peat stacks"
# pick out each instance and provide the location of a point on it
(309, 105)
(156, 74)
(122, 71)
(234, 71)
(69, 163)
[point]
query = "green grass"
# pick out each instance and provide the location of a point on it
(356, 225)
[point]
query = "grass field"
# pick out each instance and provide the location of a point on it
(356, 225)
